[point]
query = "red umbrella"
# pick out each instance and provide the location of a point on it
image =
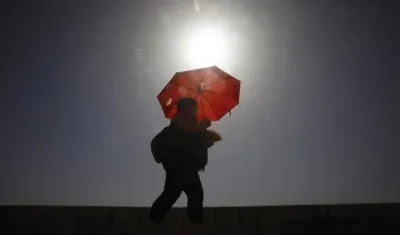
(215, 91)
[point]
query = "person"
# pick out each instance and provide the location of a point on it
(185, 158)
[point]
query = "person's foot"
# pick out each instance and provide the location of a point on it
(154, 220)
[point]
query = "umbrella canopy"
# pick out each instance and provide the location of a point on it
(215, 91)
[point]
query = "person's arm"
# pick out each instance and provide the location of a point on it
(214, 136)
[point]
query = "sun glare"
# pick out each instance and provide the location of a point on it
(206, 47)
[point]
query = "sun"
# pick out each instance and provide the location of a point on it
(206, 47)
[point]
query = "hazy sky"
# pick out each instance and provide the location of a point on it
(318, 119)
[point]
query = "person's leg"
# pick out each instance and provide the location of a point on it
(172, 191)
(194, 191)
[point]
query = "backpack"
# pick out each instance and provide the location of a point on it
(159, 145)
(170, 137)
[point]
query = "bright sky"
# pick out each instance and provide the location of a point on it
(317, 121)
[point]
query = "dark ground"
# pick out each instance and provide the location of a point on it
(319, 219)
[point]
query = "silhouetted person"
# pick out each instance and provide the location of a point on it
(187, 154)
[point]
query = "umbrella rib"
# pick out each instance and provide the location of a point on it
(192, 82)
(205, 76)
(212, 110)
(213, 83)
(221, 94)
(202, 107)
(222, 80)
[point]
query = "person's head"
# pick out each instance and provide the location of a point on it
(187, 105)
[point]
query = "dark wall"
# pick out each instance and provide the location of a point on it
(343, 219)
